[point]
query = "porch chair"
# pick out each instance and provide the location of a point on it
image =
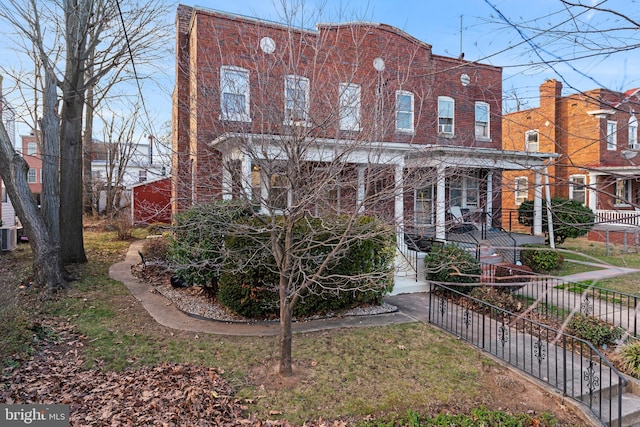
(460, 224)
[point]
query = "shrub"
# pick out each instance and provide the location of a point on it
(630, 354)
(541, 259)
(498, 297)
(155, 249)
(452, 264)
(594, 330)
(123, 226)
(570, 217)
(361, 274)
(196, 249)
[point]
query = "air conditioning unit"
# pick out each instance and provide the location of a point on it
(8, 238)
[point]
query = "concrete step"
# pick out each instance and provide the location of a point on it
(630, 411)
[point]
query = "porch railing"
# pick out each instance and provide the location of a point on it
(617, 217)
(569, 364)
(557, 298)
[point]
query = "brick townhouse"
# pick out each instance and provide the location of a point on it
(243, 84)
(595, 134)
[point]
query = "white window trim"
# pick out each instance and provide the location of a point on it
(304, 121)
(453, 116)
(633, 133)
(31, 152)
(350, 122)
(486, 137)
(527, 148)
(612, 137)
(572, 185)
(411, 128)
(224, 115)
(518, 200)
(35, 176)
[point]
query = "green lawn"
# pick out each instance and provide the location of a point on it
(369, 373)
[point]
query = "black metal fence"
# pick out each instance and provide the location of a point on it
(569, 364)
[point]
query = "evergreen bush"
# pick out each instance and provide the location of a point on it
(452, 264)
(540, 258)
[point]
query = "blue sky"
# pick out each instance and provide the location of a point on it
(487, 36)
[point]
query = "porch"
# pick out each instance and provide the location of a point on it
(489, 245)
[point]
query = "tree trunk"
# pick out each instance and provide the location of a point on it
(87, 149)
(47, 268)
(286, 312)
(71, 178)
(50, 125)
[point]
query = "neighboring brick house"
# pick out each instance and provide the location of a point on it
(242, 84)
(595, 134)
(31, 153)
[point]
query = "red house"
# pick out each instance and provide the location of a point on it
(368, 95)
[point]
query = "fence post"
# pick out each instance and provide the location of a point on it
(564, 364)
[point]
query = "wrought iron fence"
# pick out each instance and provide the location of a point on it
(569, 364)
(558, 298)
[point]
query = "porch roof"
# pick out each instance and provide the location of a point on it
(616, 170)
(260, 146)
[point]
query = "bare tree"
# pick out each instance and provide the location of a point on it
(96, 41)
(317, 152)
(47, 270)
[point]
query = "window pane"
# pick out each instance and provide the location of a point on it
(403, 120)
(349, 107)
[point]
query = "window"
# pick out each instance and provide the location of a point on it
(445, 115)
(296, 99)
(142, 175)
(482, 120)
(32, 176)
(32, 148)
(612, 130)
(349, 107)
(234, 94)
(278, 192)
(577, 188)
(404, 111)
(424, 206)
(521, 189)
(633, 132)
(4, 194)
(463, 190)
(623, 192)
(531, 143)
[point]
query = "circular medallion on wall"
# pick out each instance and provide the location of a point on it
(465, 79)
(267, 45)
(378, 64)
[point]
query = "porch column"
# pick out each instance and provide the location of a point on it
(441, 207)
(361, 187)
(245, 172)
(592, 194)
(537, 204)
(226, 179)
(399, 196)
(489, 205)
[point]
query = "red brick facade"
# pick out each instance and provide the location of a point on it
(378, 58)
(575, 127)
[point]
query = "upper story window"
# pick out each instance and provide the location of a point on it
(32, 148)
(234, 94)
(531, 142)
(446, 108)
(296, 99)
(612, 139)
(521, 190)
(32, 177)
(404, 111)
(482, 120)
(142, 175)
(349, 107)
(577, 188)
(633, 132)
